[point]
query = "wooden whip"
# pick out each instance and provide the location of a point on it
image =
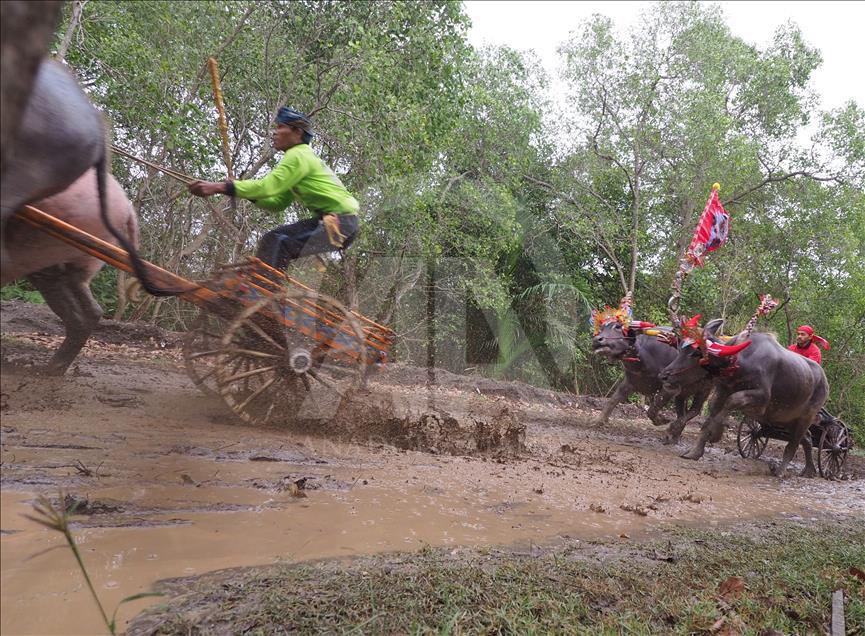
(220, 111)
(183, 178)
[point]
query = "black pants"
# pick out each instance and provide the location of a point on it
(304, 238)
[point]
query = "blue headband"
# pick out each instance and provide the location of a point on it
(291, 117)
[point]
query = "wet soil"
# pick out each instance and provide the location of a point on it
(168, 483)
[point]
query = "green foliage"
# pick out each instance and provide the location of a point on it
(21, 290)
(104, 288)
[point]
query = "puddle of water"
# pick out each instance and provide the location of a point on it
(45, 594)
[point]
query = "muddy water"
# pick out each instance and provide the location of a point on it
(401, 507)
(44, 594)
(174, 488)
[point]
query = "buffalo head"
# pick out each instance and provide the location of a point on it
(614, 330)
(700, 354)
(612, 341)
(616, 337)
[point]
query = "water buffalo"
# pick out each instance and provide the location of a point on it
(62, 273)
(26, 28)
(757, 377)
(61, 135)
(643, 358)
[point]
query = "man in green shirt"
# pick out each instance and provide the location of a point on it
(300, 176)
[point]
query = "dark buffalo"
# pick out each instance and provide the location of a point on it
(60, 136)
(62, 273)
(26, 28)
(757, 377)
(643, 358)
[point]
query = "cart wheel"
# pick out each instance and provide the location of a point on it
(293, 354)
(750, 438)
(201, 346)
(832, 452)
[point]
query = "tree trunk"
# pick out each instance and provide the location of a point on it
(74, 24)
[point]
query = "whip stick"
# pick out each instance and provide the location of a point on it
(220, 111)
(184, 178)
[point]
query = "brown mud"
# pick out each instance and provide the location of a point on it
(169, 483)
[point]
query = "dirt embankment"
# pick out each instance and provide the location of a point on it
(170, 483)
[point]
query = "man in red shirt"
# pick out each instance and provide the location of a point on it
(806, 344)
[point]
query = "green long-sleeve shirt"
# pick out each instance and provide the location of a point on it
(300, 176)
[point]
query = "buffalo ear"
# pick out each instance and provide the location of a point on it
(713, 328)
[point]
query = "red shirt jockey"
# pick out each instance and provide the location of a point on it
(806, 344)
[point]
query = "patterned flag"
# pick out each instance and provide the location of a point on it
(711, 232)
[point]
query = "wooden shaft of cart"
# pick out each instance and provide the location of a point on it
(113, 255)
(213, 299)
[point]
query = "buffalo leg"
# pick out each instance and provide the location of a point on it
(659, 401)
(67, 292)
(721, 405)
(799, 437)
(620, 395)
(789, 452)
(809, 470)
(675, 431)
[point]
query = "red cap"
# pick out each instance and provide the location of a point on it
(810, 331)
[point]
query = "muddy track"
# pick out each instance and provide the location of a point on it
(168, 483)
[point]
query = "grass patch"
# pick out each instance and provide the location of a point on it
(776, 576)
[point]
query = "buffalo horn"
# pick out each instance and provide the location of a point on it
(717, 349)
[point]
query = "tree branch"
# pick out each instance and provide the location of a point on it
(776, 179)
(603, 244)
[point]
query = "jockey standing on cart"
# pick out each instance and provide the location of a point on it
(806, 345)
(300, 176)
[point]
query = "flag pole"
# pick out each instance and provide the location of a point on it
(699, 246)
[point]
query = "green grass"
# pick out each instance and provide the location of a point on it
(57, 518)
(789, 573)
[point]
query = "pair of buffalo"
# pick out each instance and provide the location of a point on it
(54, 155)
(753, 375)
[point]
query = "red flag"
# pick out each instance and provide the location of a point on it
(711, 232)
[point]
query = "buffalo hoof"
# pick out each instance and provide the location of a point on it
(808, 472)
(777, 470)
(694, 453)
(49, 371)
(670, 439)
(656, 418)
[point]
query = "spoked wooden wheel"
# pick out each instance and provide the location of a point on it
(835, 442)
(750, 438)
(293, 355)
(201, 347)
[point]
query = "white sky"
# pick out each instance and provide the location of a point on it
(835, 28)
